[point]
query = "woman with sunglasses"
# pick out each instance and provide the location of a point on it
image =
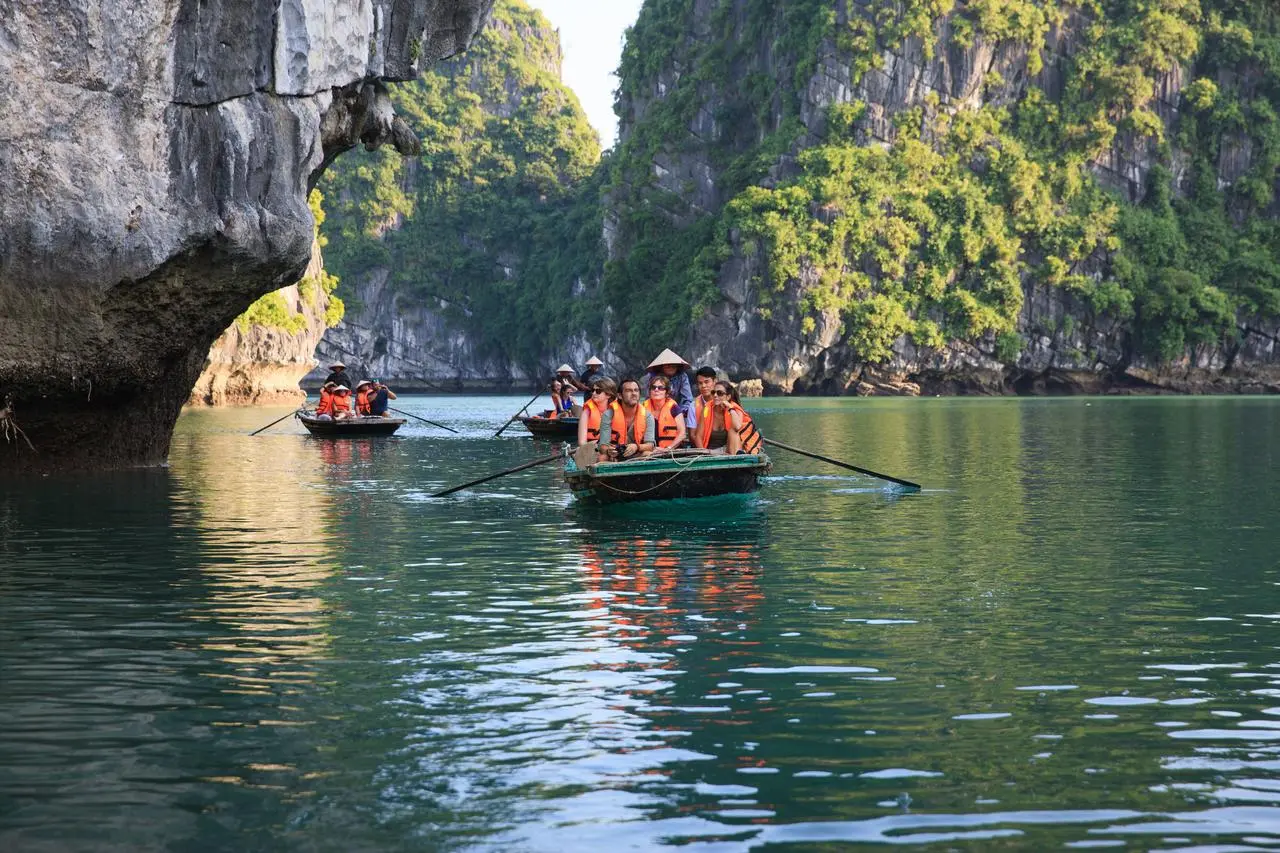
(603, 393)
(669, 423)
(729, 426)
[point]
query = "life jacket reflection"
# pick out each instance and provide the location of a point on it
(665, 428)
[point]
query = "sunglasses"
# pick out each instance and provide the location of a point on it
(598, 391)
(719, 393)
(657, 387)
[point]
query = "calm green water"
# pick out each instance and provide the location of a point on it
(1069, 639)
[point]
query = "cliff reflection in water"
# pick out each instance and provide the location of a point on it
(270, 536)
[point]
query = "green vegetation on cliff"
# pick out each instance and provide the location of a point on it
(498, 220)
(272, 310)
(919, 213)
(934, 235)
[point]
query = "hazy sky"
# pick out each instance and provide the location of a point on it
(591, 37)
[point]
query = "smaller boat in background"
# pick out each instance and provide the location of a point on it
(678, 474)
(544, 426)
(347, 427)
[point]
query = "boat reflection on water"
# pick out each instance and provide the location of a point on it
(685, 593)
(660, 591)
(347, 451)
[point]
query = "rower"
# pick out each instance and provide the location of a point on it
(338, 374)
(593, 370)
(673, 367)
(669, 428)
(628, 425)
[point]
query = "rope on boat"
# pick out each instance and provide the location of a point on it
(684, 466)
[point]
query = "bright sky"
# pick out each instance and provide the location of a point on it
(591, 37)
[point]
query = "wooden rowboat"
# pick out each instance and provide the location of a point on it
(347, 427)
(555, 428)
(681, 474)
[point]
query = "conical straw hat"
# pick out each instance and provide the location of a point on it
(668, 357)
(594, 362)
(564, 368)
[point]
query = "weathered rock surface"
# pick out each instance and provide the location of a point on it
(155, 161)
(412, 345)
(262, 365)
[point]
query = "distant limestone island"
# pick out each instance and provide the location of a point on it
(1039, 201)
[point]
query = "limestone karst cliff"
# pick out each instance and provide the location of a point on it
(264, 354)
(884, 196)
(874, 196)
(155, 161)
(439, 255)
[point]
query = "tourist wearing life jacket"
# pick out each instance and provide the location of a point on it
(603, 393)
(342, 403)
(669, 429)
(324, 409)
(706, 382)
(728, 426)
(363, 389)
(628, 425)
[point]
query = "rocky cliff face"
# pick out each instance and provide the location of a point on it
(442, 256)
(415, 346)
(927, 78)
(155, 162)
(261, 364)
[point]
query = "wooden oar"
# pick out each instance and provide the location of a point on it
(424, 420)
(827, 459)
(517, 414)
(543, 461)
(273, 423)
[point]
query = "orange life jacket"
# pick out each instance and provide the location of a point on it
(325, 406)
(619, 423)
(340, 403)
(593, 415)
(665, 428)
(751, 439)
(364, 405)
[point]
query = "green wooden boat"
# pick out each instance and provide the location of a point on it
(682, 474)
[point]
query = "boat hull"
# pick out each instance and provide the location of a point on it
(351, 427)
(673, 479)
(557, 428)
